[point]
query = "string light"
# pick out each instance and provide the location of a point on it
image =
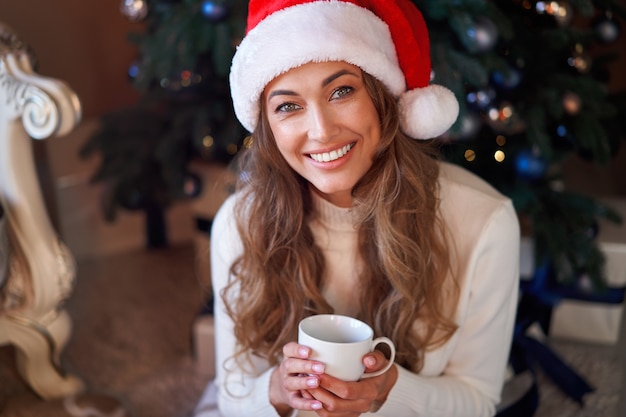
(208, 141)
(501, 114)
(231, 149)
(550, 7)
(470, 155)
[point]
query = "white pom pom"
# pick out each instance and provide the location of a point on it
(428, 112)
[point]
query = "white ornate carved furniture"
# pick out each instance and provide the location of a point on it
(37, 271)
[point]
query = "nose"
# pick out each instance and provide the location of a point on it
(323, 124)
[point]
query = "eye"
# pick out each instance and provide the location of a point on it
(286, 108)
(341, 92)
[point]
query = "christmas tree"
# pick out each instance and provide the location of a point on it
(183, 59)
(531, 85)
(531, 94)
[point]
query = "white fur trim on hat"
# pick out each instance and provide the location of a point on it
(318, 31)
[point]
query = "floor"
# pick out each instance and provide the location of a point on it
(132, 315)
(132, 343)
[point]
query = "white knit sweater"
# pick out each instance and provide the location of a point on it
(462, 378)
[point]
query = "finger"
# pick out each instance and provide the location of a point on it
(303, 403)
(340, 406)
(295, 366)
(306, 394)
(346, 390)
(296, 360)
(291, 386)
(300, 382)
(294, 350)
(374, 361)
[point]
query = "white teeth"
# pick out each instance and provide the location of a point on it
(332, 155)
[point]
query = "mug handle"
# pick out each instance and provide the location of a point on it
(392, 348)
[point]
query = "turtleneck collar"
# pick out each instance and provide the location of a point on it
(334, 217)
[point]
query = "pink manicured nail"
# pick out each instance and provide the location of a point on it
(316, 406)
(303, 351)
(318, 367)
(312, 382)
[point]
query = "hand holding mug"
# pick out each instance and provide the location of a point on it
(341, 342)
(331, 345)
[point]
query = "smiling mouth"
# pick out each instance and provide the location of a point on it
(332, 155)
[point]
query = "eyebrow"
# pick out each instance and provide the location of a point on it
(325, 82)
(336, 75)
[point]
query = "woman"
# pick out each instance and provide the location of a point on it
(339, 209)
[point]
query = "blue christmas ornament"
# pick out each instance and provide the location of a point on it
(507, 79)
(561, 131)
(530, 166)
(481, 99)
(483, 35)
(214, 11)
(134, 71)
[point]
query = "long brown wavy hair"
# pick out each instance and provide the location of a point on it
(407, 285)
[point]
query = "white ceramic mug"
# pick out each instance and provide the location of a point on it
(340, 342)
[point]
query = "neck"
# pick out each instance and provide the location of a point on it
(343, 199)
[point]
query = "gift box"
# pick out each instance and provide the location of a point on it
(204, 345)
(598, 322)
(217, 182)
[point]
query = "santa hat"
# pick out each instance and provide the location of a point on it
(386, 38)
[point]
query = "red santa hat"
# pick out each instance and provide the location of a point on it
(386, 38)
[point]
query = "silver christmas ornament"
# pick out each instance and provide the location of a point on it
(134, 10)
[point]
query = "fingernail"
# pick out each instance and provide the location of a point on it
(316, 406)
(370, 361)
(303, 351)
(318, 367)
(311, 382)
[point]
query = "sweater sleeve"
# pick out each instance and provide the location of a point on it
(472, 379)
(239, 391)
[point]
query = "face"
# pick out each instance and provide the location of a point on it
(325, 126)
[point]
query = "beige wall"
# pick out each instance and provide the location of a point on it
(82, 42)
